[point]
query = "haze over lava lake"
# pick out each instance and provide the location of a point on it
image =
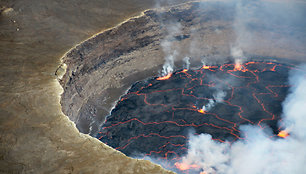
(155, 117)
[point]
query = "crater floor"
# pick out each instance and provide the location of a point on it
(155, 117)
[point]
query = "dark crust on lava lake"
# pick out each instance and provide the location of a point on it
(155, 117)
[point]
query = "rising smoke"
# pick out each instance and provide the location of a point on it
(244, 13)
(260, 152)
(218, 97)
(173, 29)
(187, 62)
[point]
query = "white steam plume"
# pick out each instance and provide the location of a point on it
(259, 153)
(187, 62)
(294, 106)
(209, 105)
(170, 52)
(237, 54)
(244, 12)
(218, 97)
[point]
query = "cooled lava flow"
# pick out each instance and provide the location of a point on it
(156, 115)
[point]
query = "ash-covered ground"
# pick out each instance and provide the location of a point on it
(156, 115)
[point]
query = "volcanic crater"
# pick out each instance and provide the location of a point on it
(156, 114)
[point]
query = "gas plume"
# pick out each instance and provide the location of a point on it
(169, 50)
(260, 151)
(187, 62)
(218, 97)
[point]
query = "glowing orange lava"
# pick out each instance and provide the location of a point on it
(205, 67)
(283, 134)
(184, 166)
(166, 77)
(248, 63)
(201, 111)
(185, 70)
(238, 67)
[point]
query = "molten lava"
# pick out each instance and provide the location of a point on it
(201, 111)
(283, 134)
(206, 67)
(238, 67)
(184, 166)
(166, 77)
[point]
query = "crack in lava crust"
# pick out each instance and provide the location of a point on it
(155, 116)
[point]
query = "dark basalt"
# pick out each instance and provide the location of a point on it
(155, 117)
